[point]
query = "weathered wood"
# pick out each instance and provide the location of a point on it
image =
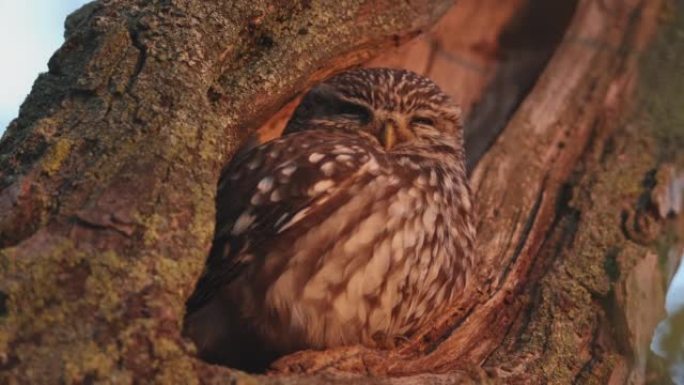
(107, 179)
(108, 175)
(523, 186)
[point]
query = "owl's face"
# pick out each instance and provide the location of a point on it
(396, 108)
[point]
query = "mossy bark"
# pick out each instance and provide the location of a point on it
(109, 172)
(108, 177)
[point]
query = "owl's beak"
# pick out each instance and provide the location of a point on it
(388, 136)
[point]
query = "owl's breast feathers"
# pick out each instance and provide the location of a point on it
(323, 239)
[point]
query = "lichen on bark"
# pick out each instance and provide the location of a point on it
(108, 174)
(108, 180)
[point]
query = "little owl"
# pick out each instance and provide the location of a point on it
(354, 227)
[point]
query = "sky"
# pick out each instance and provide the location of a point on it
(32, 31)
(675, 296)
(664, 331)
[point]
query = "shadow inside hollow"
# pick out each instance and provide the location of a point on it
(525, 48)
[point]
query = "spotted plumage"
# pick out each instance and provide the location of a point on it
(353, 227)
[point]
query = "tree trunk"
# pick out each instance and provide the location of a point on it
(108, 178)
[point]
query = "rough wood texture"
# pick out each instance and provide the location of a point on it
(108, 175)
(545, 273)
(108, 180)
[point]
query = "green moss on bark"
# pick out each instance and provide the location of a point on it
(128, 130)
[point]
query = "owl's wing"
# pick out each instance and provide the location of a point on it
(283, 186)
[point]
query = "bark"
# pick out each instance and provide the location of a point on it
(108, 177)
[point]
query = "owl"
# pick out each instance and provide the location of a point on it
(354, 227)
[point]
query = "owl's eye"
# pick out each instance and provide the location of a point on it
(358, 111)
(423, 121)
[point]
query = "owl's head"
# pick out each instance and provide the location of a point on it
(395, 107)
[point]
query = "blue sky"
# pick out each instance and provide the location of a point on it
(32, 31)
(675, 297)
